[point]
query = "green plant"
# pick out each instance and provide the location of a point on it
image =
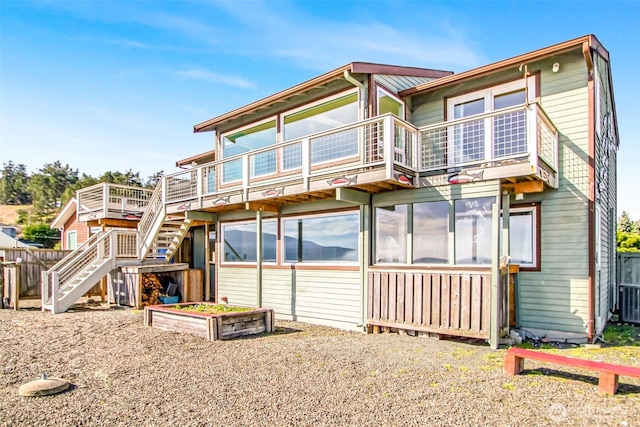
(211, 308)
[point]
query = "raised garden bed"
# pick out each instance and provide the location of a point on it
(210, 321)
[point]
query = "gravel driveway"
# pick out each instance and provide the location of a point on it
(124, 374)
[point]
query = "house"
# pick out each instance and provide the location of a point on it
(72, 232)
(377, 196)
(9, 230)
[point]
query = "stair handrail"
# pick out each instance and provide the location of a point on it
(155, 208)
(99, 248)
(70, 256)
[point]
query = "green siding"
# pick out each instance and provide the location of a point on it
(556, 298)
(329, 297)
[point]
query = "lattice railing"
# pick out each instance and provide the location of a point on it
(495, 136)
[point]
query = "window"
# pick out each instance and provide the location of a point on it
(248, 139)
(387, 103)
(431, 233)
(325, 115)
(239, 241)
(499, 136)
(330, 238)
(473, 230)
(391, 234)
(523, 236)
(72, 240)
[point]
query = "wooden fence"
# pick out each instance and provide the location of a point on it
(445, 302)
(32, 263)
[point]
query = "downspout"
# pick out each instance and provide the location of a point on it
(586, 52)
(348, 77)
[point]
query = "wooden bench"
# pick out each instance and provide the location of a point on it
(608, 372)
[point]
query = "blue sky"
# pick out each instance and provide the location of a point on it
(116, 85)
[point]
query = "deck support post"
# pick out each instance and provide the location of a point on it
(259, 258)
(496, 294)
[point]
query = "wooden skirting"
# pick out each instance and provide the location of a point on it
(448, 303)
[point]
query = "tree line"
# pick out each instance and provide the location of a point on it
(50, 187)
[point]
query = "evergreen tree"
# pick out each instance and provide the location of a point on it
(13, 184)
(47, 187)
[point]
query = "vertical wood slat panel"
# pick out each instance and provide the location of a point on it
(455, 301)
(445, 301)
(370, 294)
(408, 298)
(393, 296)
(384, 300)
(426, 299)
(486, 302)
(435, 300)
(376, 296)
(399, 307)
(417, 299)
(466, 304)
(476, 303)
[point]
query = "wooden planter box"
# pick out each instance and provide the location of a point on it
(210, 326)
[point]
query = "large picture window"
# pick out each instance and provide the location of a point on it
(240, 241)
(246, 140)
(391, 234)
(431, 233)
(326, 115)
(473, 230)
(322, 239)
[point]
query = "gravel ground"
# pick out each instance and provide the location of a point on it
(124, 374)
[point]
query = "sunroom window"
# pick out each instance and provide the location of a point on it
(391, 234)
(431, 233)
(246, 140)
(240, 245)
(473, 230)
(387, 103)
(322, 239)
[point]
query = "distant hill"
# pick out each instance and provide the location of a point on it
(9, 213)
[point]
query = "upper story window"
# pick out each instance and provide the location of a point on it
(388, 103)
(249, 138)
(327, 114)
(499, 136)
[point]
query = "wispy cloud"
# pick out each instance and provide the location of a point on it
(200, 74)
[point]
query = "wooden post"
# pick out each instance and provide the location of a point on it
(207, 267)
(17, 284)
(259, 258)
(494, 329)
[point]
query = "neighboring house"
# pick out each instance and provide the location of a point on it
(398, 197)
(72, 232)
(9, 230)
(7, 241)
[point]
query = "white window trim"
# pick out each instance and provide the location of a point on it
(315, 104)
(488, 94)
(247, 263)
(384, 91)
(535, 237)
(319, 264)
(66, 241)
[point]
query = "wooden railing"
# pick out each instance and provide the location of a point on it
(497, 136)
(384, 141)
(112, 245)
(151, 219)
(106, 200)
(448, 302)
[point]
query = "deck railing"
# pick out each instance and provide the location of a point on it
(380, 141)
(105, 199)
(490, 138)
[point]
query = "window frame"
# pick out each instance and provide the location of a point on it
(386, 92)
(536, 243)
(66, 242)
(222, 233)
(488, 95)
(283, 248)
(325, 100)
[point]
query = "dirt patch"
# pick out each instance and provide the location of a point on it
(125, 374)
(9, 213)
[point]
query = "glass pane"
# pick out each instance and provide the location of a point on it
(325, 116)
(389, 104)
(521, 237)
(431, 232)
(470, 108)
(473, 230)
(240, 242)
(322, 239)
(391, 234)
(510, 99)
(253, 138)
